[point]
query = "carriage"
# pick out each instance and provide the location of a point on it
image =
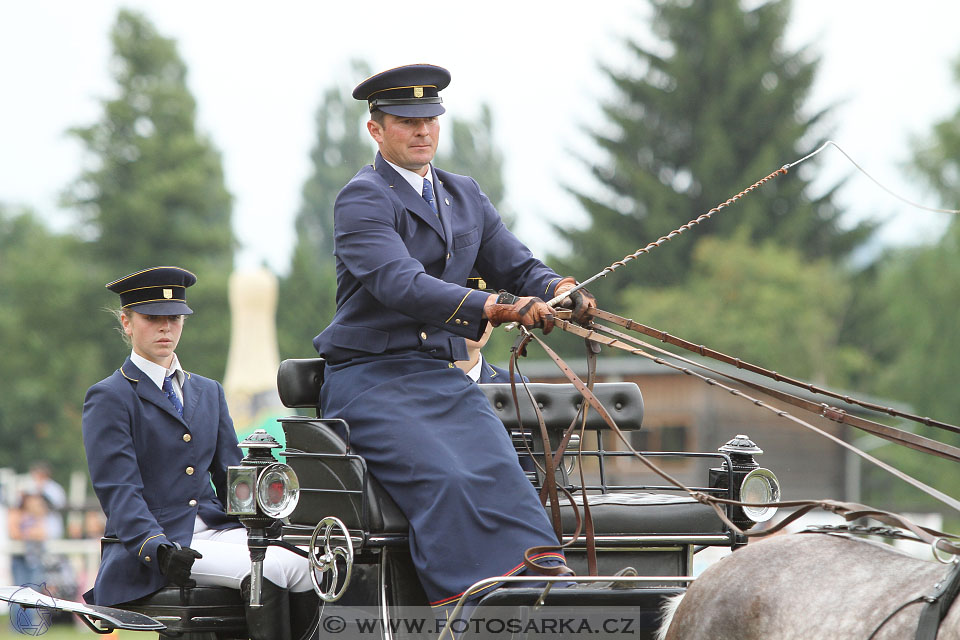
(322, 503)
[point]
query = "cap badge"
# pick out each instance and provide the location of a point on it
(168, 294)
(418, 92)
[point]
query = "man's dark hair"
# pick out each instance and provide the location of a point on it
(378, 116)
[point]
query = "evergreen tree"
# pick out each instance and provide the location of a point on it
(154, 193)
(307, 294)
(917, 291)
(52, 334)
(468, 148)
(711, 108)
(937, 159)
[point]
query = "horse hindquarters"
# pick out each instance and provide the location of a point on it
(805, 586)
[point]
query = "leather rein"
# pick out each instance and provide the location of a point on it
(596, 335)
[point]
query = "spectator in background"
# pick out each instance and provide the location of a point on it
(55, 496)
(28, 523)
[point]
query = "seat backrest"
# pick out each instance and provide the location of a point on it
(559, 404)
(299, 381)
(335, 482)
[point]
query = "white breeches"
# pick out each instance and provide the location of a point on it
(226, 561)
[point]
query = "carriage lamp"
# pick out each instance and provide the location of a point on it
(260, 491)
(751, 482)
(261, 481)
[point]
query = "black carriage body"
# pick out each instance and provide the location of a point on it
(649, 527)
(652, 528)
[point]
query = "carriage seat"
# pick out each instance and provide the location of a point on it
(335, 482)
(185, 612)
(616, 511)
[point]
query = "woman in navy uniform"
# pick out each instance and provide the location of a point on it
(407, 237)
(158, 442)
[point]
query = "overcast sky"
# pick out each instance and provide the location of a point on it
(258, 71)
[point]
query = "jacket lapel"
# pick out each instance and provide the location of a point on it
(412, 200)
(147, 390)
(446, 210)
(191, 398)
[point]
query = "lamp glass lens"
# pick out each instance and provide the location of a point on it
(240, 495)
(760, 485)
(278, 491)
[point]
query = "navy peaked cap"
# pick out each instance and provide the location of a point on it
(411, 91)
(157, 291)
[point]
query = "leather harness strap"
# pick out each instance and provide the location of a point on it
(550, 486)
(849, 510)
(897, 436)
(938, 604)
(947, 590)
(592, 334)
(740, 364)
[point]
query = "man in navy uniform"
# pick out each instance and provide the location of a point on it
(407, 237)
(156, 436)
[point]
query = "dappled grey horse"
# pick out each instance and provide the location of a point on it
(810, 586)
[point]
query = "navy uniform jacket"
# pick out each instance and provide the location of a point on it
(152, 470)
(401, 274)
(492, 374)
(426, 430)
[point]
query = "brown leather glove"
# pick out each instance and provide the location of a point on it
(527, 311)
(580, 300)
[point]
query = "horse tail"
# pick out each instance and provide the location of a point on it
(667, 610)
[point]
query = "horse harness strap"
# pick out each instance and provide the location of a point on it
(938, 604)
(850, 511)
(550, 486)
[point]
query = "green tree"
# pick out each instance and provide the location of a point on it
(909, 294)
(154, 192)
(937, 158)
(52, 333)
(907, 320)
(469, 148)
(763, 303)
(307, 294)
(712, 106)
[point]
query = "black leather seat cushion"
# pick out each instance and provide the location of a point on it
(196, 610)
(643, 513)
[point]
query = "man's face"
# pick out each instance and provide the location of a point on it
(410, 143)
(153, 337)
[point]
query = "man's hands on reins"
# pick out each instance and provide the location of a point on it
(527, 311)
(175, 563)
(579, 301)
